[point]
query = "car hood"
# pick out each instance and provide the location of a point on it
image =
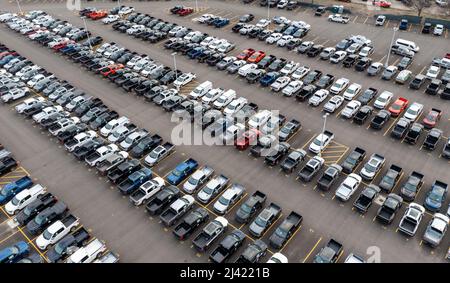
(220, 207)
(203, 195)
(256, 229)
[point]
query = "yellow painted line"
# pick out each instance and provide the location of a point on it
(390, 127)
(12, 177)
(271, 225)
(332, 151)
(31, 242)
(342, 252)
(294, 134)
(4, 239)
(308, 142)
(310, 252)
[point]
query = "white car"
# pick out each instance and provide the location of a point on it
(403, 76)
(352, 91)
(147, 190)
(280, 83)
(228, 198)
(212, 95)
(101, 154)
(63, 124)
(234, 106)
(56, 231)
(203, 18)
(110, 19)
(350, 109)
(338, 18)
(126, 11)
(292, 88)
(338, 56)
(289, 68)
(318, 97)
(113, 125)
(80, 140)
(353, 48)
(300, 72)
(321, 142)
(205, 42)
(184, 79)
(348, 187)
(263, 23)
(15, 94)
(27, 103)
(259, 119)
(366, 51)
(327, 53)
(23, 198)
(381, 19)
(46, 112)
(433, 72)
(383, 100)
(333, 104)
(274, 37)
(247, 68)
(88, 253)
(225, 47)
(339, 86)
(284, 40)
(438, 30)
(278, 258)
(414, 111)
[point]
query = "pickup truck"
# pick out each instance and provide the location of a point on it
(111, 162)
(101, 154)
(197, 179)
(135, 180)
(212, 188)
(263, 144)
(7, 164)
(338, 18)
(412, 186)
(210, 232)
(291, 162)
(147, 190)
(108, 257)
(67, 244)
(250, 207)
(328, 177)
(145, 145)
(190, 223)
(436, 229)
(285, 230)
(88, 148)
(25, 197)
(162, 199)
(401, 128)
(265, 219)
(389, 208)
(181, 172)
(158, 154)
(411, 219)
(176, 210)
(123, 170)
(390, 179)
(88, 253)
(253, 253)
(36, 206)
(45, 217)
(330, 253)
(372, 167)
(228, 246)
(436, 196)
(56, 231)
(366, 198)
(277, 153)
(11, 189)
(311, 168)
(432, 139)
(413, 134)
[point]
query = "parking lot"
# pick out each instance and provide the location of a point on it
(140, 238)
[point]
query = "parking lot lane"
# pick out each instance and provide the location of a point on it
(313, 248)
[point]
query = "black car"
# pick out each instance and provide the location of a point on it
(71, 132)
(433, 87)
(325, 81)
(214, 59)
(277, 65)
(367, 96)
(311, 77)
(306, 92)
(314, 50)
(363, 114)
(7, 164)
(237, 27)
(132, 83)
(86, 149)
(101, 120)
(122, 171)
(350, 60)
(404, 63)
(254, 76)
(380, 119)
(45, 217)
(162, 199)
(190, 223)
(362, 64)
(285, 230)
(417, 82)
(427, 27)
(266, 61)
(62, 248)
(86, 106)
(264, 35)
(144, 86)
(146, 145)
(31, 210)
(228, 246)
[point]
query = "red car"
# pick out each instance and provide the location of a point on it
(111, 69)
(432, 118)
(62, 45)
(245, 54)
(447, 55)
(185, 11)
(256, 57)
(398, 106)
(383, 4)
(6, 53)
(97, 15)
(248, 138)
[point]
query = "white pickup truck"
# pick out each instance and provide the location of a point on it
(56, 231)
(338, 18)
(89, 253)
(24, 198)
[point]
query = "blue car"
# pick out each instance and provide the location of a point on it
(196, 52)
(182, 171)
(403, 24)
(14, 253)
(5, 60)
(13, 188)
(269, 78)
(290, 30)
(68, 48)
(221, 22)
(436, 196)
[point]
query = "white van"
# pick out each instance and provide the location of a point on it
(408, 44)
(244, 70)
(201, 89)
(224, 99)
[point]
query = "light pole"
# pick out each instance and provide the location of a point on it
(323, 132)
(196, 5)
(87, 32)
(175, 66)
(18, 6)
(268, 10)
(386, 64)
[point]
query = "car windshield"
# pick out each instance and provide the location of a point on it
(382, 99)
(5, 192)
(260, 222)
(396, 106)
(410, 187)
(369, 167)
(193, 181)
(388, 179)
(15, 201)
(224, 201)
(116, 134)
(60, 248)
(319, 142)
(109, 126)
(47, 235)
(435, 196)
(281, 233)
(208, 190)
(129, 140)
(412, 111)
(153, 155)
(40, 219)
(246, 208)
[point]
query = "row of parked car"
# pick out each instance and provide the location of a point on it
(135, 180)
(57, 232)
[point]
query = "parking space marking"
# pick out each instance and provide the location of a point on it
(293, 235)
(392, 125)
(311, 251)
